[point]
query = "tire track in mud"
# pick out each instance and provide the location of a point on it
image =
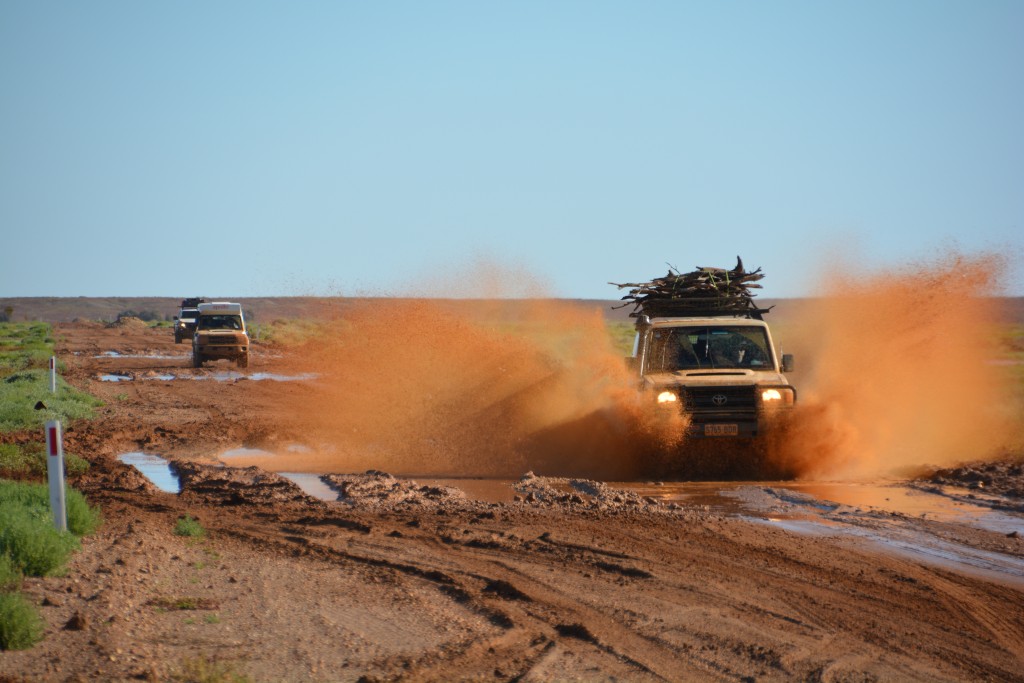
(1006, 628)
(513, 592)
(540, 615)
(490, 569)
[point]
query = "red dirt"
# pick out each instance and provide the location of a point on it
(548, 587)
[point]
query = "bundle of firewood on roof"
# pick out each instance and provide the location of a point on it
(704, 291)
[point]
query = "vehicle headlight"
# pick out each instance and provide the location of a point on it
(778, 396)
(667, 397)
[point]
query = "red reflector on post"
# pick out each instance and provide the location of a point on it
(53, 442)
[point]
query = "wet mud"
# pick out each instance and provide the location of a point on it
(568, 576)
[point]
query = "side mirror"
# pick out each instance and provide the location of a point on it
(175, 317)
(787, 362)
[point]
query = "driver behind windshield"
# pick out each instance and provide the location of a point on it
(220, 322)
(690, 349)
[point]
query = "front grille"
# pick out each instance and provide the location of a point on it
(720, 399)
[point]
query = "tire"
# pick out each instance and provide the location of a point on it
(197, 360)
(242, 361)
(177, 339)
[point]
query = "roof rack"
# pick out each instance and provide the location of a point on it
(697, 308)
(704, 292)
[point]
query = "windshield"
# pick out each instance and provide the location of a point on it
(192, 313)
(220, 322)
(690, 348)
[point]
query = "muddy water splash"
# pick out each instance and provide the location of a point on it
(483, 388)
(899, 372)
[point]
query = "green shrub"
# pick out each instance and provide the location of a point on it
(74, 465)
(187, 526)
(10, 577)
(21, 627)
(30, 458)
(13, 458)
(27, 534)
(83, 519)
(32, 542)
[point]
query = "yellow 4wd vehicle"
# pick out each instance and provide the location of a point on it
(220, 333)
(702, 348)
(722, 371)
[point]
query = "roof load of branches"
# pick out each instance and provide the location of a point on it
(701, 292)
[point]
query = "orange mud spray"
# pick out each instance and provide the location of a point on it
(894, 370)
(898, 372)
(487, 388)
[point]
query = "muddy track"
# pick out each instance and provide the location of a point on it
(287, 587)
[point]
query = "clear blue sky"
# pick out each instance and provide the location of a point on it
(353, 147)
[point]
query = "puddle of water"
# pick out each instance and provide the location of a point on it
(246, 453)
(484, 490)
(911, 543)
(229, 375)
(311, 485)
(257, 376)
(711, 495)
(157, 356)
(223, 376)
(111, 377)
(796, 498)
(154, 468)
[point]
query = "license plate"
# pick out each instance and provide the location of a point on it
(721, 430)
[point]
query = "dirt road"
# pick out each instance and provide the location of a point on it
(570, 580)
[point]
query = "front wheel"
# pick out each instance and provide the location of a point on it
(242, 361)
(177, 338)
(197, 360)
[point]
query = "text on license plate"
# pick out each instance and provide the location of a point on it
(721, 430)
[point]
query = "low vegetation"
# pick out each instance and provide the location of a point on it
(30, 545)
(10, 577)
(187, 526)
(146, 316)
(24, 346)
(27, 534)
(21, 627)
(286, 332)
(30, 459)
(203, 670)
(25, 352)
(622, 335)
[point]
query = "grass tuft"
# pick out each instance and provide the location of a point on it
(203, 670)
(27, 534)
(21, 627)
(33, 544)
(10, 576)
(30, 458)
(187, 526)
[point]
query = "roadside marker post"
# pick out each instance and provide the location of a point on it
(55, 472)
(53, 374)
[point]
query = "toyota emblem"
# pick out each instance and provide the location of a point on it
(719, 399)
